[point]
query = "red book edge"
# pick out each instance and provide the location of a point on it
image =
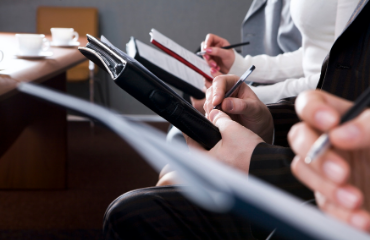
(175, 55)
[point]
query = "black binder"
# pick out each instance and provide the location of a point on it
(179, 83)
(146, 87)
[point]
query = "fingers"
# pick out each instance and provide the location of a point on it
(207, 83)
(330, 165)
(354, 134)
(220, 119)
(216, 93)
(220, 86)
(241, 106)
(215, 72)
(358, 218)
(328, 174)
(213, 40)
(345, 196)
(170, 178)
(320, 109)
(193, 144)
(198, 104)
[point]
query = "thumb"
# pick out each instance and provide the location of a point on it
(220, 119)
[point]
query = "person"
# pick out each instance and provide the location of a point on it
(270, 29)
(340, 177)
(294, 71)
(162, 212)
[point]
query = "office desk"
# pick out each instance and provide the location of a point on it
(33, 139)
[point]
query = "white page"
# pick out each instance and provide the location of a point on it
(167, 63)
(179, 50)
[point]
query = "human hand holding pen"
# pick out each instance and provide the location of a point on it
(341, 175)
(243, 106)
(220, 60)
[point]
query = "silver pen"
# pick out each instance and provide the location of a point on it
(323, 142)
(237, 84)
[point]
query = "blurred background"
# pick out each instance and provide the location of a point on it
(185, 21)
(100, 166)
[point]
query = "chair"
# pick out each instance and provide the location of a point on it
(83, 20)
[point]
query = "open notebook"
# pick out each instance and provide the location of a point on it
(167, 68)
(215, 186)
(180, 53)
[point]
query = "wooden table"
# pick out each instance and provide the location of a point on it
(33, 139)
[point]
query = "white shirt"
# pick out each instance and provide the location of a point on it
(320, 23)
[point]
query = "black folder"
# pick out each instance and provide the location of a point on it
(179, 82)
(146, 87)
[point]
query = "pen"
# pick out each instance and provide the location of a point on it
(227, 47)
(237, 84)
(323, 142)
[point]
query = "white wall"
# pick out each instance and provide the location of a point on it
(185, 21)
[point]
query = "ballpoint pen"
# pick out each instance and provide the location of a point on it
(237, 84)
(226, 47)
(323, 142)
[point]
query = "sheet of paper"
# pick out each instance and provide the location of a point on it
(192, 58)
(167, 63)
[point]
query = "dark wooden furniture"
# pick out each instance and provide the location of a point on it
(33, 140)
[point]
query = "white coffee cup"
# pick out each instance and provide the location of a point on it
(32, 44)
(64, 36)
(2, 55)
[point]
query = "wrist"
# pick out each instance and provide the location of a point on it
(268, 133)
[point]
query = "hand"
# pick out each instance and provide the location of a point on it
(340, 177)
(217, 58)
(237, 143)
(243, 107)
(167, 177)
(198, 103)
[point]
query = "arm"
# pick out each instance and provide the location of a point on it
(272, 164)
(287, 88)
(270, 69)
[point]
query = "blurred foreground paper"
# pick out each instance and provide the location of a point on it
(215, 186)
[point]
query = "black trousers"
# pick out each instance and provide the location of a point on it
(163, 213)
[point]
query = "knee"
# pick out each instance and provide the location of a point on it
(117, 217)
(126, 215)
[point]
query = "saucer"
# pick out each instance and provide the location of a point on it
(70, 44)
(40, 55)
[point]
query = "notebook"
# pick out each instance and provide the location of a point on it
(132, 77)
(167, 68)
(180, 53)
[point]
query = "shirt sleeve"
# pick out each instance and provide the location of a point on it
(287, 88)
(271, 163)
(270, 69)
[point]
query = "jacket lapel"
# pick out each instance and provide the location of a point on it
(354, 15)
(256, 5)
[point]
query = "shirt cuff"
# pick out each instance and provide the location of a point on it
(239, 65)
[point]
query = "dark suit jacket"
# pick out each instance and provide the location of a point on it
(345, 73)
